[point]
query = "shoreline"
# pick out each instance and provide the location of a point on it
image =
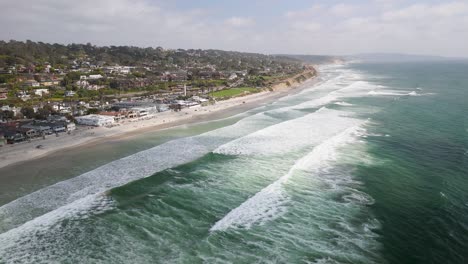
(13, 155)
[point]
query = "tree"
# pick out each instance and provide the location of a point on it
(92, 111)
(49, 108)
(28, 112)
(19, 116)
(39, 68)
(43, 113)
(7, 114)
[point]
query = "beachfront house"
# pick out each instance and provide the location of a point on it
(41, 128)
(12, 136)
(141, 111)
(58, 127)
(95, 120)
(162, 107)
(2, 139)
(116, 115)
(27, 132)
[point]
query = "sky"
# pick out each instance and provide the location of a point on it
(431, 27)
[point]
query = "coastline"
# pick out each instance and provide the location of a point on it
(12, 155)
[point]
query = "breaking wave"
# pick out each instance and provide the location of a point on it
(267, 204)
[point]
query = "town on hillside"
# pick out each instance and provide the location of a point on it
(48, 89)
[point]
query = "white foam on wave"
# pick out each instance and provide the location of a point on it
(87, 189)
(125, 170)
(300, 131)
(343, 103)
(397, 93)
(387, 93)
(293, 134)
(131, 168)
(414, 93)
(40, 226)
(354, 89)
(267, 204)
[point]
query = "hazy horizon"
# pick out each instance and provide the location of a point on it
(429, 28)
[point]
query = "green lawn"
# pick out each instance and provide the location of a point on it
(233, 92)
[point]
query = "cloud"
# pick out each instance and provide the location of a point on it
(307, 26)
(340, 28)
(308, 12)
(343, 9)
(424, 11)
(240, 21)
(120, 22)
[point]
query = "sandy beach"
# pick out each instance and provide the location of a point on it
(12, 154)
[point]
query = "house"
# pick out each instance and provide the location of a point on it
(70, 126)
(14, 109)
(199, 99)
(57, 118)
(46, 83)
(48, 127)
(70, 93)
(232, 76)
(31, 83)
(205, 74)
(124, 70)
(58, 127)
(141, 111)
(41, 128)
(95, 120)
(176, 76)
(23, 95)
(95, 76)
(241, 73)
(3, 94)
(82, 83)
(162, 107)
(27, 132)
(41, 92)
(94, 87)
(116, 115)
(2, 139)
(12, 136)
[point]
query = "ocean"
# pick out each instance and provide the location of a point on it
(367, 165)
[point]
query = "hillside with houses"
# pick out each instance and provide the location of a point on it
(46, 87)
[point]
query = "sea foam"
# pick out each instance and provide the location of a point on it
(293, 134)
(267, 204)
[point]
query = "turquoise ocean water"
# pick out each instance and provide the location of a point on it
(368, 166)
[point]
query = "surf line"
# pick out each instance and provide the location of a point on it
(267, 204)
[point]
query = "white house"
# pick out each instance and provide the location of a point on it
(41, 92)
(232, 76)
(70, 93)
(95, 76)
(82, 83)
(124, 70)
(95, 120)
(71, 126)
(32, 83)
